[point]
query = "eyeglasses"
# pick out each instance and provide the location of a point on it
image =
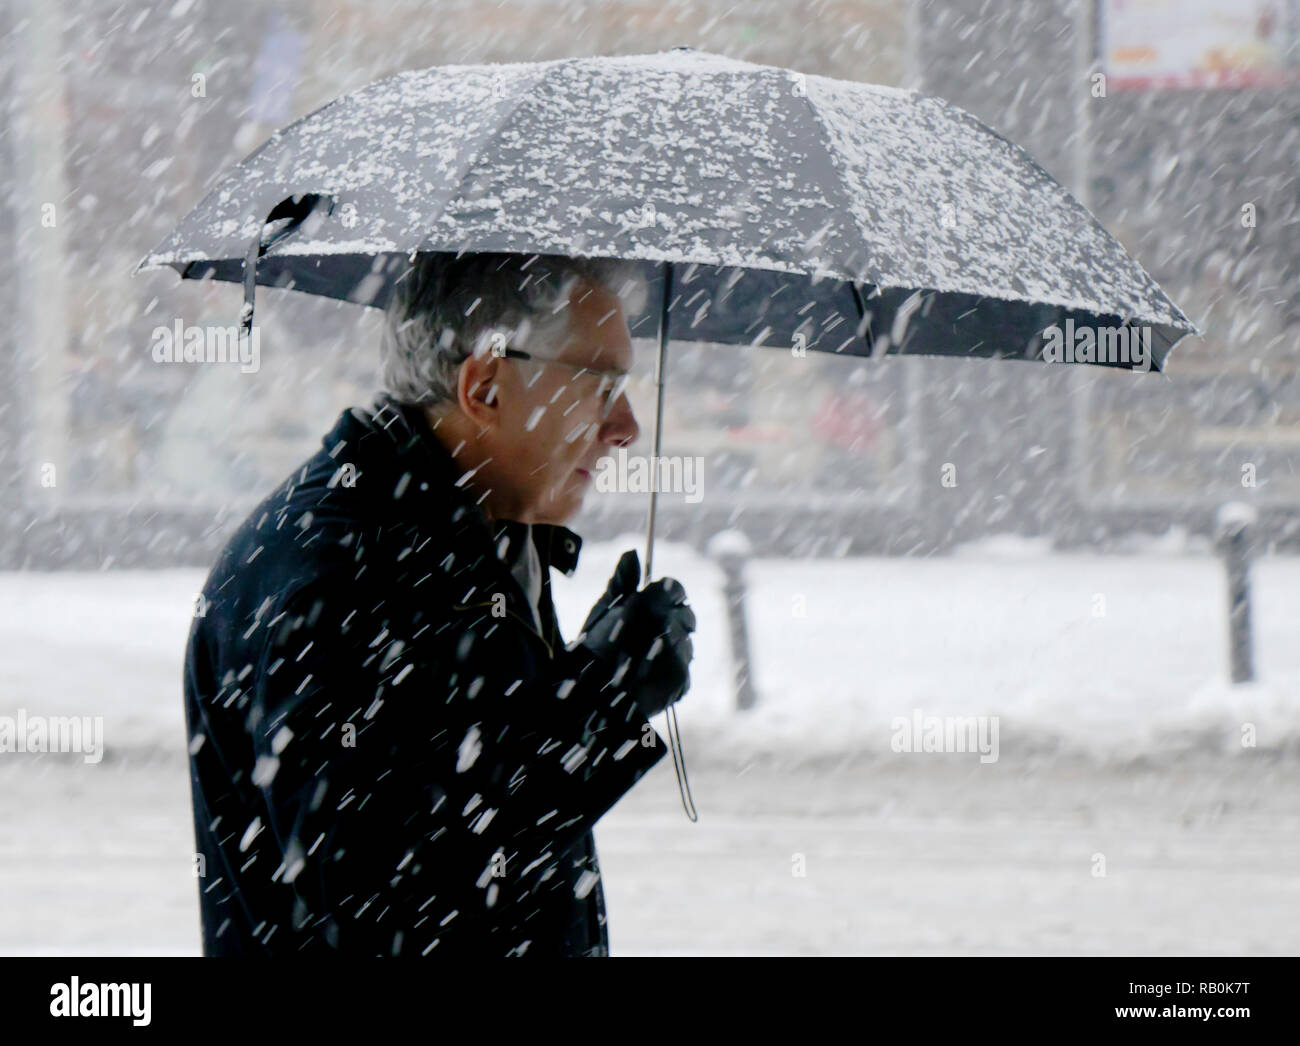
(613, 383)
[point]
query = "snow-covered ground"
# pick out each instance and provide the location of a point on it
(1119, 655)
(1118, 736)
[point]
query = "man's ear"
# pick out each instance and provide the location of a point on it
(476, 389)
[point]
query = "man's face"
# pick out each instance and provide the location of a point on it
(551, 433)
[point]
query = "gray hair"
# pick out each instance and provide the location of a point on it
(447, 306)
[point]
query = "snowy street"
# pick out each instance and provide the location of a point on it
(1121, 741)
(901, 858)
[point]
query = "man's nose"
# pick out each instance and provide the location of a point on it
(620, 428)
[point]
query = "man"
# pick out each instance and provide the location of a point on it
(392, 750)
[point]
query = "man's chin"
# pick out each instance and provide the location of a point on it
(561, 509)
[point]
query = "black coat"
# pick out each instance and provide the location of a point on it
(386, 757)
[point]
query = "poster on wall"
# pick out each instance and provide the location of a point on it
(1153, 44)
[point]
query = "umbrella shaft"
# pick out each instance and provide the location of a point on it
(659, 413)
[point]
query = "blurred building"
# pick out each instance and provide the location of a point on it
(121, 113)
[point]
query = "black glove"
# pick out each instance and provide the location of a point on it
(643, 635)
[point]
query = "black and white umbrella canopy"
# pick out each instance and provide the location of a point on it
(794, 208)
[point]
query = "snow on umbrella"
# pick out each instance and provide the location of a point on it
(861, 219)
(769, 207)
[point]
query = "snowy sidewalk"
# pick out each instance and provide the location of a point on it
(1119, 737)
(1118, 655)
(910, 855)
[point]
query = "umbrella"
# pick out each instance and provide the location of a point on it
(768, 207)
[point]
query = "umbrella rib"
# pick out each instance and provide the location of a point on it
(841, 205)
(821, 139)
(862, 315)
(475, 154)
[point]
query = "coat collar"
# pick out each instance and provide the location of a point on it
(557, 545)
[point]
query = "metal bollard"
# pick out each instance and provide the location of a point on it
(1235, 523)
(731, 549)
